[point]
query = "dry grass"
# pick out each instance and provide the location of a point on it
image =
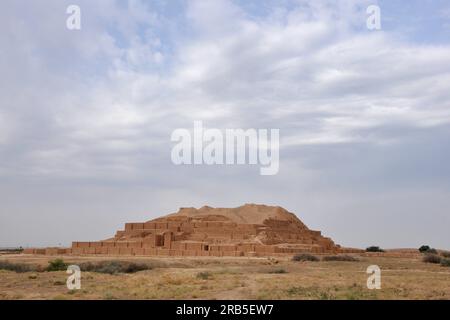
(340, 258)
(232, 278)
(305, 257)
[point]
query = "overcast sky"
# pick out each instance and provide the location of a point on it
(86, 116)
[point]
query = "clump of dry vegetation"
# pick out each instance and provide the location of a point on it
(11, 250)
(445, 262)
(53, 265)
(114, 267)
(340, 258)
(432, 258)
(205, 275)
(305, 257)
(277, 271)
(17, 267)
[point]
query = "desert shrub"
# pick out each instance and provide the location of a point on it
(427, 249)
(114, 267)
(304, 257)
(16, 267)
(87, 266)
(11, 250)
(340, 258)
(203, 275)
(278, 271)
(111, 267)
(374, 249)
(57, 265)
(445, 254)
(445, 262)
(432, 258)
(101, 266)
(133, 267)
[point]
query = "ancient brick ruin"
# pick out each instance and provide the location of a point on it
(249, 230)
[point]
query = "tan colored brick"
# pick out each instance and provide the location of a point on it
(95, 244)
(51, 251)
(108, 244)
(74, 244)
(138, 251)
(90, 250)
(125, 251)
(114, 251)
(194, 246)
(150, 252)
(101, 250)
(149, 225)
(161, 225)
(162, 252)
(77, 251)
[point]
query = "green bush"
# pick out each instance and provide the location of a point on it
(424, 248)
(304, 257)
(432, 258)
(340, 258)
(17, 267)
(57, 265)
(114, 267)
(427, 249)
(374, 249)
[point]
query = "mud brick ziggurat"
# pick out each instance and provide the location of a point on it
(249, 230)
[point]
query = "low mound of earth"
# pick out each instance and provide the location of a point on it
(249, 230)
(247, 214)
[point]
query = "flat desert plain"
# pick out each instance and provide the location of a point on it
(229, 278)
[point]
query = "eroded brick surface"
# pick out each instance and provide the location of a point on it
(249, 230)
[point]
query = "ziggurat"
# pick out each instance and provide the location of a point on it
(249, 230)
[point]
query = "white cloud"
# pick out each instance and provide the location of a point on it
(304, 69)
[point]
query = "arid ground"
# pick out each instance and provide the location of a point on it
(230, 278)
